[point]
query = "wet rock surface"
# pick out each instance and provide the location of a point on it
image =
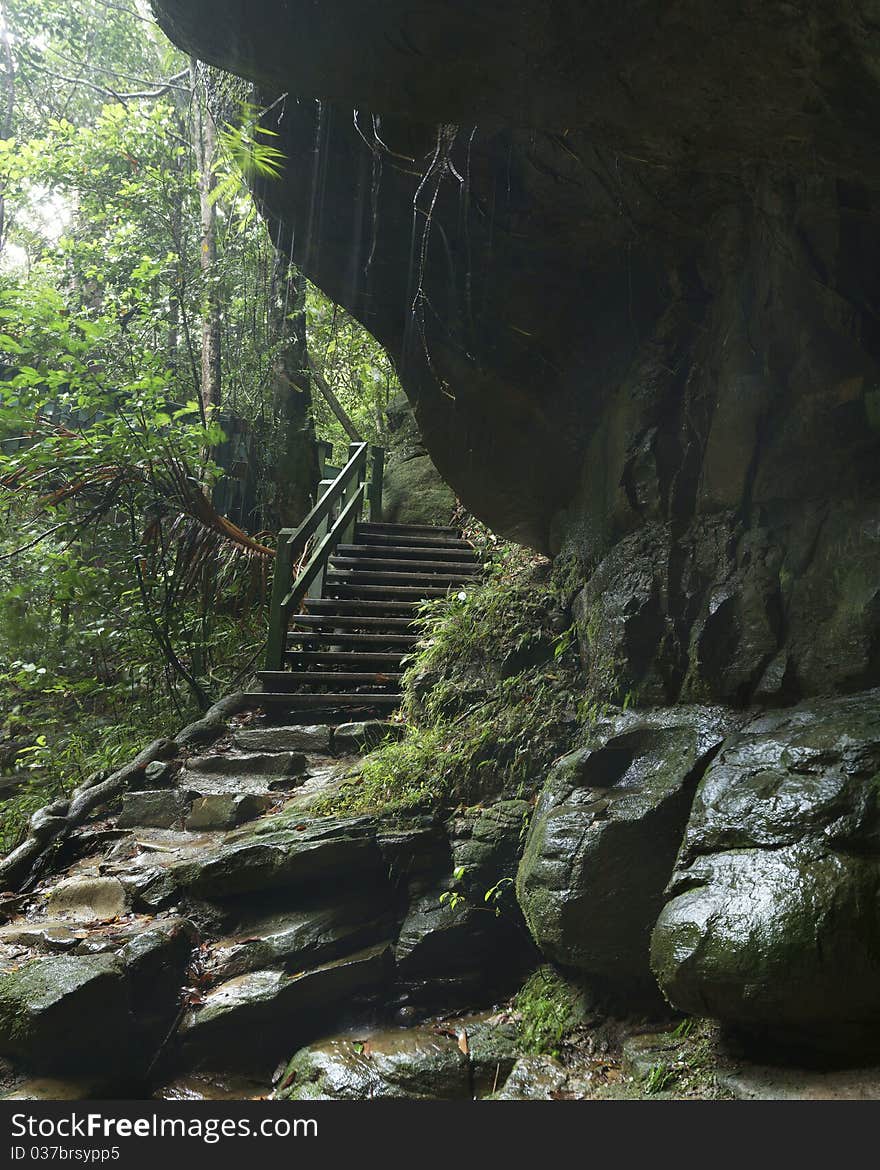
(773, 917)
(100, 1012)
(212, 948)
(453, 1059)
(207, 927)
(605, 833)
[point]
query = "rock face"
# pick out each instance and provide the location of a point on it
(413, 492)
(640, 326)
(773, 922)
(604, 836)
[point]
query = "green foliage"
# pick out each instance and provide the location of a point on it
(121, 608)
(660, 1077)
(251, 156)
(397, 777)
(548, 1006)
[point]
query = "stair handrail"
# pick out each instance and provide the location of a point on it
(333, 517)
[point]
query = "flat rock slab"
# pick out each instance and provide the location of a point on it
(352, 738)
(226, 810)
(44, 935)
(161, 808)
(284, 739)
(768, 1083)
(312, 857)
(284, 763)
(55, 1089)
(299, 939)
(254, 1017)
(87, 898)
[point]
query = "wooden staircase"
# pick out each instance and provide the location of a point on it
(339, 647)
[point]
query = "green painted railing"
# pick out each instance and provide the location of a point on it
(307, 549)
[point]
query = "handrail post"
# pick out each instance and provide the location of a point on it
(348, 535)
(325, 454)
(317, 586)
(374, 492)
(276, 643)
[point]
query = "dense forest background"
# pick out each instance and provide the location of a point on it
(165, 373)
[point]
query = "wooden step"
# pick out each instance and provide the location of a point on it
(391, 592)
(354, 658)
(294, 699)
(347, 639)
(410, 552)
(412, 580)
(386, 565)
(334, 621)
(370, 528)
(368, 608)
(327, 680)
(377, 539)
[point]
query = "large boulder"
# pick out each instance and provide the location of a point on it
(106, 1012)
(605, 833)
(773, 917)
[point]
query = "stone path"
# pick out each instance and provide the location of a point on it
(210, 919)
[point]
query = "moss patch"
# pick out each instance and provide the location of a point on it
(550, 1008)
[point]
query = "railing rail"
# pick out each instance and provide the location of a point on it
(329, 523)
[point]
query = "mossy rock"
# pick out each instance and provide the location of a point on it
(773, 918)
(414, 493)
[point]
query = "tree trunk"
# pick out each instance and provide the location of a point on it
(205, 141)
(6, 125)
(296, 474)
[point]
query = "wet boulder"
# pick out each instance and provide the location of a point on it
(604, 837)
(101, 1012)
(773, 918)
(417, 1064)
(459, 1058)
